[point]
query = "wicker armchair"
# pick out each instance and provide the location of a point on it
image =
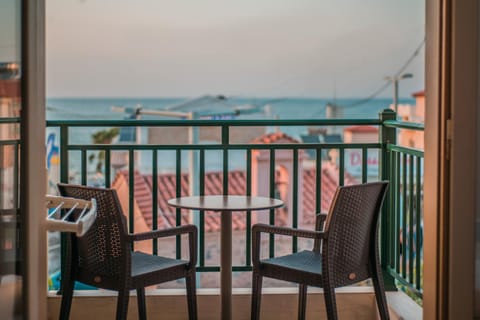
(345, 250)
(103, 257)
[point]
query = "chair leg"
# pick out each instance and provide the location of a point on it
(122, 303)
(191, 296)
(380, 296)
(256, 295)
(67, 295)
(302, 301)
(142, 310)
(330, 302)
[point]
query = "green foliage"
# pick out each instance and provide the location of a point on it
(105, 136)
(409, 292)
(102, 137)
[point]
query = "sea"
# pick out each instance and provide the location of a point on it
(210, 107)
(281, 108)
(260, 108)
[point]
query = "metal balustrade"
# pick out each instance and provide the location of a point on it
(402, 220)
(403, 254)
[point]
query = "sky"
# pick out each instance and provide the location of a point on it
(251, 48)
(9, 31)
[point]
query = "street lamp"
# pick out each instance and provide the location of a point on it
(175, 111)
(193, 134)
(395, 80)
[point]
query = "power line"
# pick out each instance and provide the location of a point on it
(370, 97)
(415, 53)
(387, 83)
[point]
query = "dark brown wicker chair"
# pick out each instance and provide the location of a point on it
(345, 250)
(103, 257)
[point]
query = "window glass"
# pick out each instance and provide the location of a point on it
(10, 106)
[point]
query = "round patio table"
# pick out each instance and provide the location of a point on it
(226, 205)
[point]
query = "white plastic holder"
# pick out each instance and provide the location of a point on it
(57, 222)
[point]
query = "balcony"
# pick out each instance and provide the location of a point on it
(302, 173)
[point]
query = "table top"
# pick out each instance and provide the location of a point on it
(225, 203)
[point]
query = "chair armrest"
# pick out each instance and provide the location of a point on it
(175, 231)
(319, 226)
(320, 221)
(259, 228)
(302, 233)
(189, 228)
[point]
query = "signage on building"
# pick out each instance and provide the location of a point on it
(354, 162)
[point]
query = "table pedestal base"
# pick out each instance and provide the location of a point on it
(225, 204)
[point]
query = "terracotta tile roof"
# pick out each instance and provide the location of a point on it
(213, 185)
(10, 88)
(275, 137)
(362, 129)
(420, 93)
(329, 182)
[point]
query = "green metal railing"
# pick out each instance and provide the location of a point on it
(10, 157)
(225, 146)
(10, 218)
(403, 258)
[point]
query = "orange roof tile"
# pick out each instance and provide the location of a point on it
(275, 137)
(362, 129)
(10, 88)
(214, 185)
(420, 93)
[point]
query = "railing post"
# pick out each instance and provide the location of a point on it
(64, 153)
(64, 179)
(387, 136)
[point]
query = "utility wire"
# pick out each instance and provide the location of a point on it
(415, 53)
(370, 97)
(379, 90)
(387, 83)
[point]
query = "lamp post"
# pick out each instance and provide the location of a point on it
(175, 111)
(395, 80)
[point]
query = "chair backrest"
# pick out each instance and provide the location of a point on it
(102, 250)
(351, 244)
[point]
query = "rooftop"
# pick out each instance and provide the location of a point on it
(143, 191)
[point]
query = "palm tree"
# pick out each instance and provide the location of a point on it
(102, 137)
